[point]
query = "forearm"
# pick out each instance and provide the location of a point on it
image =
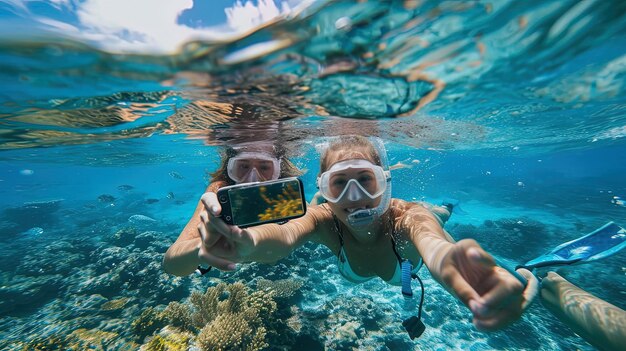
(600, 323)
(182, 258)
(273, 242)
(433, 248)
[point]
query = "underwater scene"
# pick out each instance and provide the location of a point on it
(515, 111)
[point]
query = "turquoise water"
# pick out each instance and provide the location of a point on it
(516, 109)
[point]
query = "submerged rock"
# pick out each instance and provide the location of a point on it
(106, 198)
(141, 220)
(32, 214)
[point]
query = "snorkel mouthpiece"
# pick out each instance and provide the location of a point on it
(362, 217)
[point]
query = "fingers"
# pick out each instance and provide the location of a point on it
(532, 287)
(209, 238)
(550, 289)
(460, 287)
(505, 285)
(210, 202)
(497, 320)
(217, 262)
(478, 255)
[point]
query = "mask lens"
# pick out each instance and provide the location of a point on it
(241, 168)
(335, 183)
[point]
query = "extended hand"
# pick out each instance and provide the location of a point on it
(495, 297)
(222, 244)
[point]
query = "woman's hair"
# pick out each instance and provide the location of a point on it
(287, 168)
(350, 144)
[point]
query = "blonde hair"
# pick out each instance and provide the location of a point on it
(350, 144)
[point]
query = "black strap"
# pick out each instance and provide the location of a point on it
(393, 242)
(340, 235)
(202, 271)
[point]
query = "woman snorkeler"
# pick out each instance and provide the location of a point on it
(372, 234)
(242, 163)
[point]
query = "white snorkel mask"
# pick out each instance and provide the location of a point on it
(253, 162)
(371, 181)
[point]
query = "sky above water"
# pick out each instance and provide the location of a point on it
(139, 26)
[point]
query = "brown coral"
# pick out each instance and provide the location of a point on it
(280, 289)
(232, 331)
(236, 319)
(179, 316)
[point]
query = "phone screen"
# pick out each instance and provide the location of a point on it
(266, 202)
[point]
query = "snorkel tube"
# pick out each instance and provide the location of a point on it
(367, 216)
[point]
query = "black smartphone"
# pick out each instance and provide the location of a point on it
(256, 203)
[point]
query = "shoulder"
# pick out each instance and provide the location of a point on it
(412, 215)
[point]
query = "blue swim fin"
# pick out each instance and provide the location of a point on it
(601, 243)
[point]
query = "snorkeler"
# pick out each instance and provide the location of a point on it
(243, 163)
(373, 235)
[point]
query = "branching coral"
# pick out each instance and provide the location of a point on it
(281, 289)
(148, 322)
(287, 204)
(179, 316)
(228, 316)
(236, 319)
(232, 331)
(168, 342)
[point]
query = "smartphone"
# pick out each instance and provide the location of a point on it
(256, 203)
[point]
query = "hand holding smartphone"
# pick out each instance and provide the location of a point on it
(250, 204)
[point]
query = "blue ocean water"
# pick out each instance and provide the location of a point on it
(515, 109)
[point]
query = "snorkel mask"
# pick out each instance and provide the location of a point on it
(354, 179)
(249, 167)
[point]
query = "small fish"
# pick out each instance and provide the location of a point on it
(125, 187)
(151, 201)
(176, 175)
(618, 201)
(400, 165)
(170, 195)
(27, 172)
(33, 231)
(106, 198)
(141, 219)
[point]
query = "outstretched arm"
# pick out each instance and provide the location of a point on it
(495, 297)
(602, 324)
(263, 243)
(182, 257)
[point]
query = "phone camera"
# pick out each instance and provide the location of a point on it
(223, 199)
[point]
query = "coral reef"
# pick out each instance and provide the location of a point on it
(232, 331)
(508, 236)
(179, 315)
(283, 289)
(229, 317)
(149, 321)
(22, 292)
(168, 340)
(116, 304)
(79, 340)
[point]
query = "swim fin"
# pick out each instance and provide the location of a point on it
(601, 243)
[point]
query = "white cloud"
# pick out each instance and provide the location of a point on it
(150, 26)
(138, 25)
(243, 17)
